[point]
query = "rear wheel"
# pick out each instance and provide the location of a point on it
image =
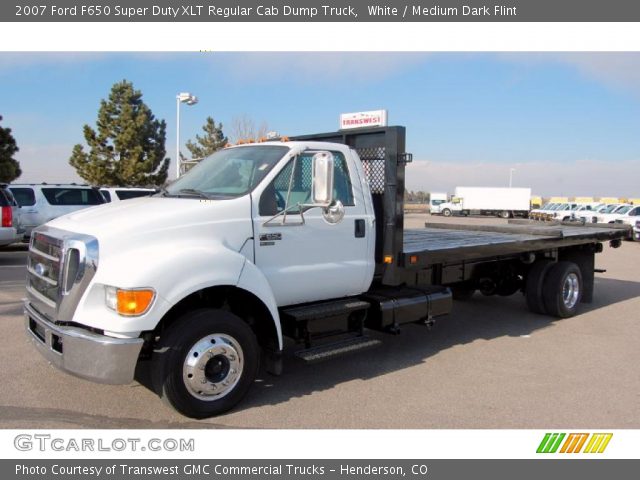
(534, 284)
(446, 212)
(562, 290)
(206, 362)
(505, 214)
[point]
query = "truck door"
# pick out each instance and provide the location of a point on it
(314, 259)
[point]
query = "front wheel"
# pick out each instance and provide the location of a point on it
(206, 362)
(446, 212)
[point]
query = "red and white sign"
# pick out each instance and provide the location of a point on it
(374, 118)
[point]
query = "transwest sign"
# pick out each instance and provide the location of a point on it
(373, 118)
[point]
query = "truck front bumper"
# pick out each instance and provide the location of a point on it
(83, 353)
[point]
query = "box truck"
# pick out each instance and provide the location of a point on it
(503, 202)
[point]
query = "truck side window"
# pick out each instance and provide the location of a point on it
(274, 197)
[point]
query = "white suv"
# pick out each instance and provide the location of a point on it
(43, 202)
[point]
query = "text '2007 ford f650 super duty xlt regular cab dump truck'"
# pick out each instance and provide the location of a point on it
(300, 238)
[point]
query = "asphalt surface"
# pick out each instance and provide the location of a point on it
(491, 364)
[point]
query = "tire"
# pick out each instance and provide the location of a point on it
(446, 212)
(194, 386)
(504, 214)
(534, 285)
(562, 290)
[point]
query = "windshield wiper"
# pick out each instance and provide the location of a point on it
(191, 192)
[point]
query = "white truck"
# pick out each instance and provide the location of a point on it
(435, 200)
(503, 202)
(300, 238)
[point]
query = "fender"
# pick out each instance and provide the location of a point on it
(253, 280)
(174, 276)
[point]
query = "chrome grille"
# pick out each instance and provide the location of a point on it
(44, 267)
(60, 267)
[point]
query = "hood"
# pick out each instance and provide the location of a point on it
(148, 218)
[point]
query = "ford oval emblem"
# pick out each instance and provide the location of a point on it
(40, 269)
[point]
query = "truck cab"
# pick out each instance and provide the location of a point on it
(435, 202)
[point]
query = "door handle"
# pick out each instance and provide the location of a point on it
(360, 228)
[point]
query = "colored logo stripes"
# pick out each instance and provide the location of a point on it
(574, 442)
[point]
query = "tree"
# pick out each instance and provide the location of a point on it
(9, 166)
(244, 128)
(212, 140)
(128, 148)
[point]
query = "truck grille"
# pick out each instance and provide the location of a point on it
(60, 266)
(44, 267)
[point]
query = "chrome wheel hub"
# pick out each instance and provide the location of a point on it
(571, 290)
(213, 366)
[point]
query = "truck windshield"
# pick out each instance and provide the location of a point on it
(228, 173)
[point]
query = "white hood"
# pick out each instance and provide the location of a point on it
(140, 219)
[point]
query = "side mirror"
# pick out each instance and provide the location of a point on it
(322, 189)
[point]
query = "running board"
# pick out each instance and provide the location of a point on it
(331, 350)
(320, 310)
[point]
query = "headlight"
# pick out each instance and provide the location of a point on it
(129, 302)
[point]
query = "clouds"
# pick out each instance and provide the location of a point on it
(563, 107)
(576, 178)
(320, 67)
(620, 70)
(615, 69)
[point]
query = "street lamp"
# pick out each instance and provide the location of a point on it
(511, 170)
(184, 97)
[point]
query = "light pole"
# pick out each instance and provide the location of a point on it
(184, 97)
(511, 170)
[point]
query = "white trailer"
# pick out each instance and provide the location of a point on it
(503, 202)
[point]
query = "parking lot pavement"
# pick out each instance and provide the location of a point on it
(491, 364)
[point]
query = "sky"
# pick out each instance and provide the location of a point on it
(566, 123)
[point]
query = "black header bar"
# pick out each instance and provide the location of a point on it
(319, 11)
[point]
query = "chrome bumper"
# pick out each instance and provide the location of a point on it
(88, 355)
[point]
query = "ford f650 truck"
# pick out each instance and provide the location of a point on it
(301, 238)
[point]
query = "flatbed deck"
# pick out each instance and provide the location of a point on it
(441, 243)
